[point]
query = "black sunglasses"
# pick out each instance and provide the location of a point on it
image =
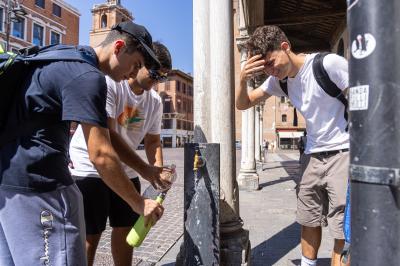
(154, 75)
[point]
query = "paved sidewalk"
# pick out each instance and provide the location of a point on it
(269, 214)
(274, 234)
(166, 232)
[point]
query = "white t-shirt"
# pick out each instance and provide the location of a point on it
(134, 115)
(324, 115)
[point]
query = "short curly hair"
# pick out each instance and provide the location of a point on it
(163, 55)
(266, 39)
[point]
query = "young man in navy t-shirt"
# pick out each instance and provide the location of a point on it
(41, 210)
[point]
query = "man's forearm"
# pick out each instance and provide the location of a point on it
(114, 177)
(106, 161)
(126, 153)
(242, 96)
(153, 150)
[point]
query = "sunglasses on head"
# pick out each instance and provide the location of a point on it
(154, 75)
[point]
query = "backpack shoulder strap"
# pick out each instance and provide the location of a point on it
(55, 53)
(283, 84)
(284, 88)
(323, 80)
(322, 77)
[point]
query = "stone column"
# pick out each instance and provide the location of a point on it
(244, 144)
(235, 243)
(201, 68)
(248, 178)
(174, 132)
(214, 115)
(201, 109)
(261, 127)
(257, 148)
(222, 103)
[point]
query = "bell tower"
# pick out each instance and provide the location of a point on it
(104, 16)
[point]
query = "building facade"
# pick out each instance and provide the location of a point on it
(45, 22)
(177, 98)
(176, 93)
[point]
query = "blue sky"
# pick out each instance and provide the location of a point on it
(169, 21)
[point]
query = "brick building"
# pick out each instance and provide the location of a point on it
(177, 97)
(46, 22)
(176, 93)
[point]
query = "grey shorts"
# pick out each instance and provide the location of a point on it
(322, 191)
(42, 228)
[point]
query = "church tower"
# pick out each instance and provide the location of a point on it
(104, 16)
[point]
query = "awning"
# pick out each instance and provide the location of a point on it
(290, 134)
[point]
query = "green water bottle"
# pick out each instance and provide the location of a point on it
(139, 231)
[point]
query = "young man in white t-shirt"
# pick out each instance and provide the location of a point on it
(134, 112)
(322, 189)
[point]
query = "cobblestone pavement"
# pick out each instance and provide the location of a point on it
(168, 229)
(269, 215)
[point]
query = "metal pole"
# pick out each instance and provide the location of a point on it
(374, 69)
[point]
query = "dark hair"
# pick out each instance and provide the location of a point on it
(131, 43)
(266, 39)
(163, 55)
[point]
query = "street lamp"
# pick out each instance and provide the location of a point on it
(13, 14)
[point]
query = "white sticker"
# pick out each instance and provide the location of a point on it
(363, 45)
(351, 4)
(358, 98)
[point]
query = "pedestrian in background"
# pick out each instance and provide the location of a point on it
(302, 145)
(265, 150)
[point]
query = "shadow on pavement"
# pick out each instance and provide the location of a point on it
(273, 249)
(274, 182)
(291, 168)
(262, 168)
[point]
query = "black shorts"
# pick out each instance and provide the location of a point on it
(101, 202)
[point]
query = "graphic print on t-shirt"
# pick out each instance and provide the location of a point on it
(131, 118)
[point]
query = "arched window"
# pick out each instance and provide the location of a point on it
(284, 118)
(340, 49)
(104, 21)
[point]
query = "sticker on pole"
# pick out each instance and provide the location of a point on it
(359, 98)
(351, 4)
(363, 45)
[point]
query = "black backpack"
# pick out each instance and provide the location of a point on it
(15, 68)
(323, 80)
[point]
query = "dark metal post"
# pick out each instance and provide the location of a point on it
(374, 97)
(201, 210)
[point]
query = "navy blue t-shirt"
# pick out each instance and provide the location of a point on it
(60, 92)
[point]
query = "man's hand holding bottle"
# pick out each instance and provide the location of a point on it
(159, 177)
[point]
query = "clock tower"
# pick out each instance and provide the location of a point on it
(104, 16)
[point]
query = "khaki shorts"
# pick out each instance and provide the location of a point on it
(322, 191)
